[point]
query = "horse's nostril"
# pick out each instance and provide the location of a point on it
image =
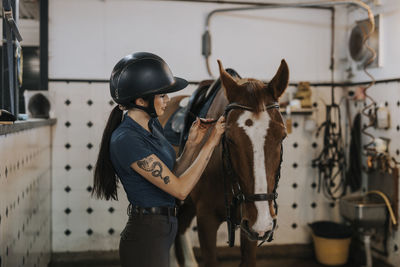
(262, 230)
(261, 233)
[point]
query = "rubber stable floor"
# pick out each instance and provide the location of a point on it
(225, 263)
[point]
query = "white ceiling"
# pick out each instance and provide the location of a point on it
(29, 9)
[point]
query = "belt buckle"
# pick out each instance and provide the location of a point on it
(133, 210)
(137, 210)
(152, 210)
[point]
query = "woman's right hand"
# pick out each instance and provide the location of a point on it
(217, 131)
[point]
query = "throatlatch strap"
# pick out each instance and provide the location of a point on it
(261, 197)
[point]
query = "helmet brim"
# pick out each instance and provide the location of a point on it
(177, 86)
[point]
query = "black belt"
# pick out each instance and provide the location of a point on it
(169, 211)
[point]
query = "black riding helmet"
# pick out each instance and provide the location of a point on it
(142, 75)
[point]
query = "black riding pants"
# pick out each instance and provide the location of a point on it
(146, 240)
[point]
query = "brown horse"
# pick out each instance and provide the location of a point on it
(239, 183)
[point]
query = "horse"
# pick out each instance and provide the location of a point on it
(240, 181)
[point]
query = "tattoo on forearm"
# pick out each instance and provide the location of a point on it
(155, 168)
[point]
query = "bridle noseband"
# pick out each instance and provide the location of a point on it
(238, 197)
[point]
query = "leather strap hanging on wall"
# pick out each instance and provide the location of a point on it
(12, 32)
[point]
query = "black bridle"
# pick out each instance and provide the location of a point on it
(238, 197)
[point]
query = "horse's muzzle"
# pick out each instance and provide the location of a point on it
(254, 236)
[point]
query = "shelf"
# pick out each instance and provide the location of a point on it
(25, 125)
(302, 111)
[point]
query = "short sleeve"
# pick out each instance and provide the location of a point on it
(128, 148)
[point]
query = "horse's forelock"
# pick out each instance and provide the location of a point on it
(255, 96)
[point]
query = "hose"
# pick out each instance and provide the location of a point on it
(387, 202)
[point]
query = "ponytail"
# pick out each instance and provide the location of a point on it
(105, 180)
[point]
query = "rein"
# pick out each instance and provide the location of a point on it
(238, 197)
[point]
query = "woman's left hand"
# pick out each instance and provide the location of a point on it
(198, 130)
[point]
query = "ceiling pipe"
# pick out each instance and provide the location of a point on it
(206, 45)
(246, 3)
(206, 38)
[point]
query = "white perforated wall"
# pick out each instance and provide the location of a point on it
(25, 198)
(117, 28)
(83, 223)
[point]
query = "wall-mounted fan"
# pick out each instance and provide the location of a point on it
(358, 49)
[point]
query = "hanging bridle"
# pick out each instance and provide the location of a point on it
(238, 197)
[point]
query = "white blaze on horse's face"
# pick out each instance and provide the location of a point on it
(257, 131)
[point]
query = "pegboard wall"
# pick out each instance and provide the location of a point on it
(83, 223)
(387, 95)
(25, 198)
(79, 221)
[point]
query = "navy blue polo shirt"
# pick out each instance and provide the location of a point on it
(130, 142)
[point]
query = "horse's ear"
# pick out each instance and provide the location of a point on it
(280, 81)
(229, 84)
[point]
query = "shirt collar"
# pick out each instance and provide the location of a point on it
(134, 125)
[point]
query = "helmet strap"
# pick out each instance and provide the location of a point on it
(149, 109)
(152, 113)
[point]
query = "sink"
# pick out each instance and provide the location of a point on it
(363, 211)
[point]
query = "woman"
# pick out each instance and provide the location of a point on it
(136, 151)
